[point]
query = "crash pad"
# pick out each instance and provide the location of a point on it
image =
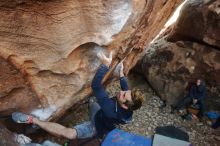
(161, 140)
(119, 137)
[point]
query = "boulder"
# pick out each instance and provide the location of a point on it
(185, 51)
(15, 91)
(52, 47)
(174, 66)
(199, 21)
(7, 138)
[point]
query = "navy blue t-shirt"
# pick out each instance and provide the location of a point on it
(111, 113)
(198, 92)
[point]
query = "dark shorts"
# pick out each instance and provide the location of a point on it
(87, 129)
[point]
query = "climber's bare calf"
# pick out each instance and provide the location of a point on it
(53, 128)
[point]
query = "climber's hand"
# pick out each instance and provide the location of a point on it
(105, 60)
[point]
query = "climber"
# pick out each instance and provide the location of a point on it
(105, 114)
(195, 96)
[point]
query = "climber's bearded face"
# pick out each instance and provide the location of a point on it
(124, 97)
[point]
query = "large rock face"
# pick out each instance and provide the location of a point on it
(48, 48)
(14, 90)
(199, 21)
(7, 138)
(175, 65)
(193, 53)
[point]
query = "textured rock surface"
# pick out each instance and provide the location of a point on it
(199, 21)
(14, 90)
(175, 65)
(6, 137)
(170, 66)
(44, 41)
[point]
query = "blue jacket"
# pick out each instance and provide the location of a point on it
(198, 92)
(111, 112)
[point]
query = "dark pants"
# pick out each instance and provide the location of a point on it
(216, 124)
(187, 100)
(202, 107)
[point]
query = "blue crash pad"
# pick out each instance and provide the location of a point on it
(121, 138)
(212, 115)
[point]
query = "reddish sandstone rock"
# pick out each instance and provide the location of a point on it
(15, 92)
(53, 46)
